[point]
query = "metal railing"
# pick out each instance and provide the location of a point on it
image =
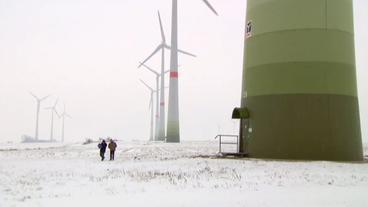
(221, 142)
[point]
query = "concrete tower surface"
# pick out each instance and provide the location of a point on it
(299, 81)
(173, 130)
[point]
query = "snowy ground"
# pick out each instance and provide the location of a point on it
(170, 175)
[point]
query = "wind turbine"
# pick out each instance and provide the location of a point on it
(152, 138)
(53, 110)
(160, 117)
(173, 127)
(157, 125)
(63, 115)
(38, 100)
(162, 46)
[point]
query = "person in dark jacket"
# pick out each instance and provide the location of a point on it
(112, 147)
(102, 147)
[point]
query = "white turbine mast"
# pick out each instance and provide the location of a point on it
(152, 91)
(63, 116)
(173, 127)
(53, 111)
(38, 100)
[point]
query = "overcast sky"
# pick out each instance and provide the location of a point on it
(86, 52)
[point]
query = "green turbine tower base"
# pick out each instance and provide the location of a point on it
(299, 82)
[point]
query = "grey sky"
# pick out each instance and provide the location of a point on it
(86, 53)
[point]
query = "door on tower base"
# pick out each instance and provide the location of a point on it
(244, 129)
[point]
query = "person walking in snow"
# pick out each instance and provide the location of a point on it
(112, 147)
(102, 146)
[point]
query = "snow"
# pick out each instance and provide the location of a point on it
(167, 175)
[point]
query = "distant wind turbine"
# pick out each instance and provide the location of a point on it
(173, 127)
(63, 116)
(162, 46)
(160, 116)
(152, 137)
(38, 100)
(53, 111)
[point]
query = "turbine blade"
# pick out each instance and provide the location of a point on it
(149, 57)
(58, 115)
(167, 71)
(56, 102)
(181, 51)
(187, 53)
(150, 69)
(151, 89)
(165, 88)
(161, 28)
(33, 95)
(210, 6)
(44, 98)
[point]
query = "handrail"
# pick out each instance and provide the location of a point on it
(225, 135)
(228, 143)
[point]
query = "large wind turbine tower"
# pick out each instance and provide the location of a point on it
(173, 129)
(299, 98)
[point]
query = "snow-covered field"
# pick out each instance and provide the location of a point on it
(169, 175)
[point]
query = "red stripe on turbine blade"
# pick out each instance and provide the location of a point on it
(162, 103)
(174, 74)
